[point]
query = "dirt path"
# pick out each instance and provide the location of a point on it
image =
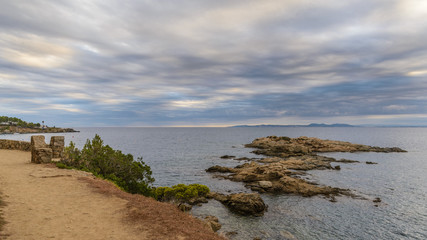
(51, 203)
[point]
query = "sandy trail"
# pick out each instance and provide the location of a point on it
(51, 203)
(45, 202)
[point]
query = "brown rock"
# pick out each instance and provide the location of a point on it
(217, 196)
(265, 184)
(184, 207)
(197, 200)
(243, 203)
(213, 223)
(220, 169)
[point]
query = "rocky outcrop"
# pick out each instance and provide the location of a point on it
(276, 177)
(281, 173)
(24, 130)
(15, 145)
(242, 203)
(305, 163)
(286, 147)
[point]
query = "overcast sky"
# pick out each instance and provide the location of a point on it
(213, 63)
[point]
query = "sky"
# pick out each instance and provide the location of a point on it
(213, 63)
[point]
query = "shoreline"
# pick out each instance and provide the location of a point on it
(35, 131)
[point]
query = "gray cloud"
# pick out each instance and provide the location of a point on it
(213, 62)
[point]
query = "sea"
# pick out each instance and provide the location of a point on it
(181, 155)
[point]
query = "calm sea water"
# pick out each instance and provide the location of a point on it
(180, 155)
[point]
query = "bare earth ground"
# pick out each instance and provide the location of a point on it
(45, 202)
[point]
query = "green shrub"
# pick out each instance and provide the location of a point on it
(181, 192)
(62, 166)
(132, 176)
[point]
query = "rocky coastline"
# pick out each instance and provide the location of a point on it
(25, 130)
(288, 160)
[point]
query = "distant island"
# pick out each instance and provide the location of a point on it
(332, 125)
(308, 125)
(12, 125)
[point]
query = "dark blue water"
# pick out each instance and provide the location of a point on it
(180, 155)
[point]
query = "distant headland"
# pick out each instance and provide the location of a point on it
(308, 125)
(12, 125)
(330, 125)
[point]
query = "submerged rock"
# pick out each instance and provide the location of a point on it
(220, 169)
(346, 161)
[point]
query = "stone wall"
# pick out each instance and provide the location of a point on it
(15, 145)
(40, 151)
(57, 144)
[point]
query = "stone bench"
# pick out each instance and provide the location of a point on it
(43, 153)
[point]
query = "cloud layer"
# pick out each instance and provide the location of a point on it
(169, 63)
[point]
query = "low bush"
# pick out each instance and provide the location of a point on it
(103, 161)
(62, 166)
(181, 192)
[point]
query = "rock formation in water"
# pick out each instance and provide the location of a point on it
(276, 177)
(242, 203)
(291, 158)
(286, 147)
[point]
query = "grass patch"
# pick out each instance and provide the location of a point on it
(62, 166)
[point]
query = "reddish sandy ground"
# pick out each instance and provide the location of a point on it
(44, 202)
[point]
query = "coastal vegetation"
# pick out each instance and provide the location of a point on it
(130, 175)
(105, 162)
(181, 192)
(11, 125)
(6, 121)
